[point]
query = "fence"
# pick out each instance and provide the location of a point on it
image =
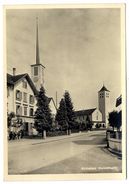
(114, 141)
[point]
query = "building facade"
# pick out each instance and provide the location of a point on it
(21, 100)
(92, 115)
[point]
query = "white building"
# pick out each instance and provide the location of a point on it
(94, 115)
(21, 99)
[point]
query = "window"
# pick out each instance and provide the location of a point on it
(31, 99)
(25, 97)
(107, 94)
(31, 111)
(24, 83)
(18, 95)
(101, 95)
(35, 71)
(18, 110)
(25, 111)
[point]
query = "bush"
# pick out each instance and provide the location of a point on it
(55, 133)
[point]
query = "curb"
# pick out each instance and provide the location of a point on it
(47, 140)
(58, 139)
(115, 152)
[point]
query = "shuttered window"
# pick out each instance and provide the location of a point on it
(24, 83)
(25, 97)
(25, 111)
(31, 99)
(18, 95)
(31, 111)
(18, 110)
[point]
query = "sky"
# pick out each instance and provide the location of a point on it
(80, 49)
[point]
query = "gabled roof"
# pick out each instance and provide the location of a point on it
(51, 99)
(104, 89)
(13, 80)
(84, 112)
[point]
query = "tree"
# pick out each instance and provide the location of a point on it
(114, 119)
(61, 116)
(10, 116)
(119, 120)
(70, 110)
(43, 118)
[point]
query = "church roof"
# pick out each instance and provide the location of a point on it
(104, 89)
(84, 112)
(13, 80)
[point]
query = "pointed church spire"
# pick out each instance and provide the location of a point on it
(37, 43)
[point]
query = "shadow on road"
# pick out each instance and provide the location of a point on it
(91, 142)
(97, 135)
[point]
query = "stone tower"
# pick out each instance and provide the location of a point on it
(37, 69)
(104, 103)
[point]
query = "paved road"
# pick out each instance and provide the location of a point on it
(85, 153)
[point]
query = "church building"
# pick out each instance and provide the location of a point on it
(97, 116)
(22, 91)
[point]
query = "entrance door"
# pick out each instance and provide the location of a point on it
(26, 128)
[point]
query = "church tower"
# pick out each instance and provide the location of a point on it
(104, 103)
(37, 69)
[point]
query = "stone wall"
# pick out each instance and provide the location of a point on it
(115, 144)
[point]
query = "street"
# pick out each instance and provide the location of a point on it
(83, 153)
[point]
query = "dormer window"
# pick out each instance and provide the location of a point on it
(35, 71)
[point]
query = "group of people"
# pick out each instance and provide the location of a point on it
(12, 135)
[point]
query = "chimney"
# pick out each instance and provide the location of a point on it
(14, 71)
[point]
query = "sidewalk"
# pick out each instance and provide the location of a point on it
(34, 141)
(24, 141)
